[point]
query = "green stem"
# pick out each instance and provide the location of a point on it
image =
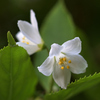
(45, 47)
(51, 86)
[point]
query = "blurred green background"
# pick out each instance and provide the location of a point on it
(85, 14)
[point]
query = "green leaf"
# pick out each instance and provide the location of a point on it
(11, 41)
(75, 88)
(58, 26)
(17, 76)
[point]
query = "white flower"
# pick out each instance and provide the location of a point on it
(29, 37)
(62, 60)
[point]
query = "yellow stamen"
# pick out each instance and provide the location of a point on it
(23, 41)
(27, 42)
(69, 61)
(64, 59)
(23, 38)
(68, 67)
(62, 67)
(61, 59)
(60, 62)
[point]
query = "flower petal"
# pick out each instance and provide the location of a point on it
(55, 49)
(61, 77)
(33, 19)
(72, 46)
(19, 36)
(29, 48)
(47, 67)
(78, 64)
(29, 32)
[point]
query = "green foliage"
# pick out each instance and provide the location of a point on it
(58, 26)
(17, 77)
(11, 40)
(75, 88)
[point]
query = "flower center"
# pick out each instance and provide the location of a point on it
(64, 63)
(25, 40)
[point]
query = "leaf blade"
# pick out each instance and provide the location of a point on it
(58, 25)
(17, 76)
(11, 41)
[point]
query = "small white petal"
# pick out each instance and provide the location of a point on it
(78, 64)
(61, 77)
(55, 49)
(47, 67)
(72, 46)
(19, 36)
(33, 19)
(29, 48)
(29, 32)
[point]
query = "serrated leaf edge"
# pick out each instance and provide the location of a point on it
(76, 81)
(84, 78)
